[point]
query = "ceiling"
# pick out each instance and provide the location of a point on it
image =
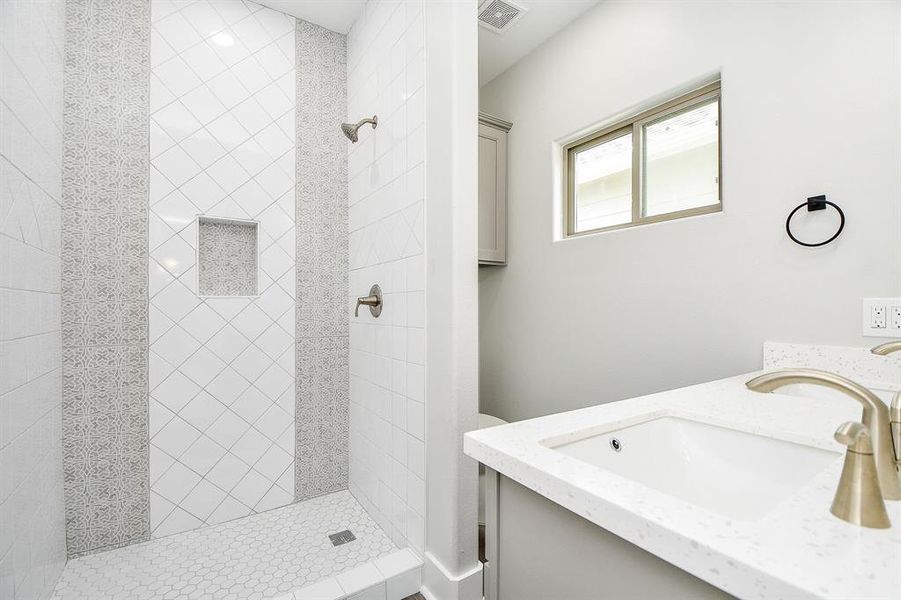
(498, 52)
(337, 15)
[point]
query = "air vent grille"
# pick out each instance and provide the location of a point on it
(499, 15)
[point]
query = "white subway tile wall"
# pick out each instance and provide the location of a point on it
(386, 198)
(222, 398)
(32, 518)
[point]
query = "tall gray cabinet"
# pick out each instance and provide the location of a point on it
(493, 190)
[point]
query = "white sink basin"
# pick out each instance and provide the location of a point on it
(739, 475)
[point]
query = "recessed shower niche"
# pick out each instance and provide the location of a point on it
(227, 251)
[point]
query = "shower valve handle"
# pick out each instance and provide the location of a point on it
(373, 301)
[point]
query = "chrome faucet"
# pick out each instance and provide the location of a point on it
(875, 418)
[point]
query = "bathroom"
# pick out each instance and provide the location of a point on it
(390, 299)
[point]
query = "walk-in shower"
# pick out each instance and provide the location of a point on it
(198, 425)
(351, 129)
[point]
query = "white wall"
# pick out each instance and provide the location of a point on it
(452, 569)
(385, 76)
(32, 517)
(810, 105)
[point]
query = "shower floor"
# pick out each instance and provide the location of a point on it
(255, 557)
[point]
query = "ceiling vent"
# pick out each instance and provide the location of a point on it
(499, 15)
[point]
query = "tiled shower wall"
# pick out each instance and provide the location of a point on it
(322, 379)
(32, 518)
(386, 187)
(222, 143)
(219, 112)
(104, 273)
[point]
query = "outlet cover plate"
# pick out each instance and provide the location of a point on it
(881, 317)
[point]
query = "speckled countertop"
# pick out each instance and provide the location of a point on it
(798, 550)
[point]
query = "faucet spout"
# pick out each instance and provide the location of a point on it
(875, 416)
(887, 348)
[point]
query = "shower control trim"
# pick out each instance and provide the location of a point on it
(373, 301)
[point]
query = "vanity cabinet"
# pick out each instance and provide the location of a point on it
(492, 190)
(536, 549)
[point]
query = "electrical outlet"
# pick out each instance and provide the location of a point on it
(894, 317)
(877, 316)
(881, 317)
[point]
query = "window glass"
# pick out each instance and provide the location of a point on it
(661, 164)
(603, 184)
(681, 157)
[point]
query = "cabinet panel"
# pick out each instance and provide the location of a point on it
(537, 550)
(492, 194)
(488, 198)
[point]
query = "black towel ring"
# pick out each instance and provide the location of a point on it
(815, 203)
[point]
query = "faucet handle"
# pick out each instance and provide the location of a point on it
(858, 498)
(856, 436)
(373, 301)
(895, 424)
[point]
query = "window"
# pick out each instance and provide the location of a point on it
(662, 164)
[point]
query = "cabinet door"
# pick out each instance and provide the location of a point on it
(492, 195)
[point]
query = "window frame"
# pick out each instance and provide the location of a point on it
(636, 126)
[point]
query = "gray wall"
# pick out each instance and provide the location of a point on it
(321, 218)
(104, 276)
(32, 518)
(810, 105)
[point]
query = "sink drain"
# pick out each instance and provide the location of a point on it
(616, 444)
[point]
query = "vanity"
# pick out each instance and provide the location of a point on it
(708, 491)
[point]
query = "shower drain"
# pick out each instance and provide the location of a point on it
(342, 537)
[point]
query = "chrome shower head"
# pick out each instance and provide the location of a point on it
(350, 129)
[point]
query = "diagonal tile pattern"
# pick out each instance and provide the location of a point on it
(222, 121)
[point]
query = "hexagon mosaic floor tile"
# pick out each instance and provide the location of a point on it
(253, 558)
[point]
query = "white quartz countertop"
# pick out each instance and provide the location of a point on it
(797, 550)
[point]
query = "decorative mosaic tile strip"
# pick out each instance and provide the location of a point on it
(322, 416)
(104, 273)
(321, 448)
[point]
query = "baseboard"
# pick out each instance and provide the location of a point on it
(439, 584)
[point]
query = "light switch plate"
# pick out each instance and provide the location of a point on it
(881, 317)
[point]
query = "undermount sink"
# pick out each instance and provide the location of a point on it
(737, 474)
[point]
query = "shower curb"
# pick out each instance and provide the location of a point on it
(391, 577)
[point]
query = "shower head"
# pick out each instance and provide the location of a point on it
(350, 129)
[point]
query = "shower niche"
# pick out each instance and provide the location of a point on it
(227, 257)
